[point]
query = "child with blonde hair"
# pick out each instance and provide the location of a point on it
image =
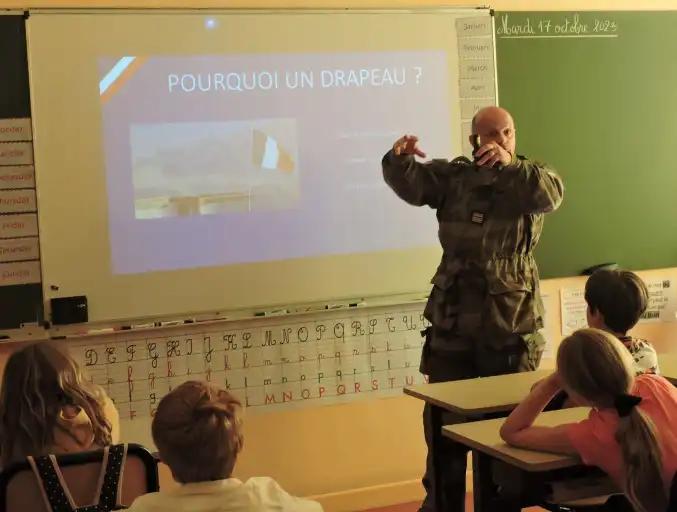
(631, 432)
(198, 432)
(47, 407)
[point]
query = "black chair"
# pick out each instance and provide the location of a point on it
(672, 505)
(617, 503)
(613, 503)
(20, 492)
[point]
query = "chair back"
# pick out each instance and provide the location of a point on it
(21, 492)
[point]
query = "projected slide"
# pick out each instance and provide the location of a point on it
(216, 160)
(213, 167)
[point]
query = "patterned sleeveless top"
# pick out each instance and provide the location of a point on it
(56, 494)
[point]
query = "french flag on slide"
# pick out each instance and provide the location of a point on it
(269, 154)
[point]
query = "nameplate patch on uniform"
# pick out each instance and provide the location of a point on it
(477, 217)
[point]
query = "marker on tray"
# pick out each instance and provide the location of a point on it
(274, 312)
(357, 304)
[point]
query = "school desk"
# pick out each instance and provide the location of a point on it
(531, 473)
(470, 400)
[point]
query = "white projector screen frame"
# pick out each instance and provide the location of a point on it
(72, 179)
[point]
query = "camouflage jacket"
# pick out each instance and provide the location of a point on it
(490, 221)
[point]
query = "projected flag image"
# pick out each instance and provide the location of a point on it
(182, 169)
(269, 155)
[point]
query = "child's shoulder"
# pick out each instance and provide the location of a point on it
(652, 384)
(634, 344)
(644, 355)
(262, 482)
(268, 491)
(151, 502)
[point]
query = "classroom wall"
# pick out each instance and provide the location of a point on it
(370, 453)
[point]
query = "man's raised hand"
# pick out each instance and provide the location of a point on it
(408, 145)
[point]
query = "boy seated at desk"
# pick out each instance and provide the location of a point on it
(197, 430)
(616, 300)
(631, 432)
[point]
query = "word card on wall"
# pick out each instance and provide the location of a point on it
(477, 77)
(20, 279)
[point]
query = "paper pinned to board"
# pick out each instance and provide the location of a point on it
(662, 305)
(548, 350)
(573, 308)
(662, 301)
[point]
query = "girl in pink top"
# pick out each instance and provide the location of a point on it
(631, 432)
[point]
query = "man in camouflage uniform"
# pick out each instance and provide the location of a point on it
(485, 307)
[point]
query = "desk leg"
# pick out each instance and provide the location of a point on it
(437, 440)
(482, 484)
(485, 495)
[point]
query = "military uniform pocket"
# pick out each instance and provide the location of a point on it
(511, 306)
(441, 308)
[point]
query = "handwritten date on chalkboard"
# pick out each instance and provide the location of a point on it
(556, 24)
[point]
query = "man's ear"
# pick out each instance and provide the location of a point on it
(474, 141)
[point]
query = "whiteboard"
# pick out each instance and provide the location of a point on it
(209, 161)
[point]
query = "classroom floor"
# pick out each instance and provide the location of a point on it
(413, 507)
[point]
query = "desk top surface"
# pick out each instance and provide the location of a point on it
(484, 437)
(479, 396)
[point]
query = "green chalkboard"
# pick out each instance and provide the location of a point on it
(595, 95)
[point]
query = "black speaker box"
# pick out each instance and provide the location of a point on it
(69, 310)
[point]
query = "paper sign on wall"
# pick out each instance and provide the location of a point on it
(477, 86)
(25, 272)
(13, 226)
(16, 129)
(574, 310)
(19, 249)
(548, 352)
(662, 306)
(16, 153)
(662, 301)
(17, 176)
(17, 201)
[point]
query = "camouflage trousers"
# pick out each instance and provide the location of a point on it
(519, 354)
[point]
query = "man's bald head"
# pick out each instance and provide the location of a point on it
(490, 115)
(495, 124)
